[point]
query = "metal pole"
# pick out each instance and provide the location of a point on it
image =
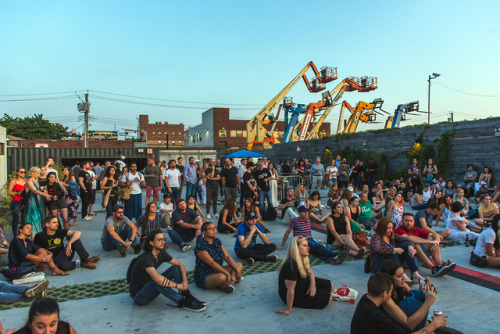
(87, 109)
(429, 102)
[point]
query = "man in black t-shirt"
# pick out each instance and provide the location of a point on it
(180, 167)
(262, 176)
(370, 316)
(213, 178)
(249, 186)
(85, 182)
(230, 180)
(146, 283)
(52, 239)
(186, 225)
(372, 170)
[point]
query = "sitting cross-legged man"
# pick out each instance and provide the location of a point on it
(146, 283)
(186, 225)
(246, 246)
(52, 239)
(16, 293)
(24, 252)
(119, 233)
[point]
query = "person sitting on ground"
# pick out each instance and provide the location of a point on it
(316, 209)
(116, 230)
(470, 179)
(287, 205)
(417, 202)
(486, 212)
(382, 247)
(347, 194)
(423, 220)
(52, 239)
(166, 208)
(186, 225)
(10, 293)
(395, 209)
(366, 212)
(374, 314)
(426, 244)
(487, 250)
(459, 196)
(226, 216)
(44, 318)
(246, 246)
(414, 303)
(209, 271)
(301, 227)
(298, 286)
(149, 221)
(145, 283)
(333, 195)
(339, 232)
(301, 194)
(24, 252)
(249, 205)
(481, 193)
(444, 203)
(458, 226)
(352, 212)
(389, 198)
(191, 204)
(449, 189)
(378, 199)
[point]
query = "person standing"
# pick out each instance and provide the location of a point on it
(85, 183)
(133, 205)
(173, 180)
(212, 185)
(93, 189)
(241, 171)
(180, 167)
(109, 186)
(230, 180)
(34, 209)
(191, 178)
(49, 166)
(249, 187)
(152, 175)
(218, 167)
(344, 172)
(262, 176)
(372, 169)
(15, 188)
(317, 174)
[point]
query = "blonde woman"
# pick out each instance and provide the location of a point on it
(297, 284)
(301, 194)
(34, 209)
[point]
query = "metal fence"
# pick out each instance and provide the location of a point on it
(290, 181)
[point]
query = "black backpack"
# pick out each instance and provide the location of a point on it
(270, 214)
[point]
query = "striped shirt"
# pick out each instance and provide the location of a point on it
(301, 227)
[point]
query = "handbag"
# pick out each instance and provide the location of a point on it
(124, 192)
(345, 294)
(30, 278)
(17, 272)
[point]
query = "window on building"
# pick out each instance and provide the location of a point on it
(159, 141)
(179, 142)
(173, 142)
(222, 133)
(153, 133)
(2, 149)
(238, 133)
(173, 134)
(180, 133)
(159, 133)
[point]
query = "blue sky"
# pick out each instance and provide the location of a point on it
(241, 54)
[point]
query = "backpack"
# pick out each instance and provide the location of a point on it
(270, 214)
(134, 260)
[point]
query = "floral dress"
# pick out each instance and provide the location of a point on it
(397, 214)
(72, 199)
(34, 210)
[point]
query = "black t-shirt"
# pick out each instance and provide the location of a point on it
(372, 166)
(86, 179)
(285, 169)
(230, 174)
(289, 271)
(52, 243)
(139, 277)
(370, 319)
(18, 252)
(285, 200)
(479, 193)
(181, 169)
(187, 217)
(248, 177)
(260, 175)
(212, 183)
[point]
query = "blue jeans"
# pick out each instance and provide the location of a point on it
(190, 189)
(11, 293)
(151, 290)
(356, 181)
(405, 257)
(325, 254)
(267, 195)
(371, 180)
(15, 209)
(109, 243)
(175, 194)
(411, 303)
(133, 206)
(180, 237)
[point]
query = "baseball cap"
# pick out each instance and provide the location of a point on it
(116, 207)
(250, 215)
(302, 208)
(350, 188)
(250, 164)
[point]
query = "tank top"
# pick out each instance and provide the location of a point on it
(355, 215)
(17, 189)
(340, 227)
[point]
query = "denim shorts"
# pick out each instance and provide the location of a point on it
(201, 282)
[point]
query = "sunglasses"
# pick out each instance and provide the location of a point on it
(22, 172)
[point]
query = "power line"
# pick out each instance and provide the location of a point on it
(35, 94)
(460, 91)
(41, 99)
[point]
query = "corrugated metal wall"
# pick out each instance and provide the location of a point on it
(34, 156)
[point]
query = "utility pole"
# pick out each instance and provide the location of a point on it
(451, 114)
(87, 109)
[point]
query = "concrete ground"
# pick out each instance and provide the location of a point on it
(250, 309)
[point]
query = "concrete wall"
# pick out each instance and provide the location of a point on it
(3, 155)
(476, 142)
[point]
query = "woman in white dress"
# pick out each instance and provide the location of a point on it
(273, 184)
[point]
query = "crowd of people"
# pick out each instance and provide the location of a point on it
(362, 216)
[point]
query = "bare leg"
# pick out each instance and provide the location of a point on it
(353, 249)
(445, 233)
(493, 262)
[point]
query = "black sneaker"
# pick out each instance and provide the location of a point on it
(137, 248)
(450, 266)
(191, 305)
(339, 258)
(439, 271)
(188, 295)
(250, 260)
(122, 250)
(272, 258)
(226, 288)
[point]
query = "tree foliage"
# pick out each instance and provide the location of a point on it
(33, 127)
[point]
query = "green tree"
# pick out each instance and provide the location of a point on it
(33, 127)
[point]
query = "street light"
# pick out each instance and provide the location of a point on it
(433, 76)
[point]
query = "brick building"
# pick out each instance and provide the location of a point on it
(218, 131)
(158, 133)
(69, 143)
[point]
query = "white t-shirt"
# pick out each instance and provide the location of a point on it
(136, 182)
(164, 206)
(173, 177)
(52, 170)
(94, 182)
(334, 172)
(486, 237)
(426, 195)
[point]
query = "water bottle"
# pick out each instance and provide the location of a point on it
(77, 266)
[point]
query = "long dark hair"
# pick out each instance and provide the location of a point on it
(229, 206)
(70, 174)
(150, 237)
(42, 306)
(390, 267)
(107, 172)
(494, 226)
(334, 206)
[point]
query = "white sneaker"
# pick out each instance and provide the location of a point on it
(87, 218)
(216, 215)
(208, 216)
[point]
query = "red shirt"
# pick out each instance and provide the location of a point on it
(417, 232)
